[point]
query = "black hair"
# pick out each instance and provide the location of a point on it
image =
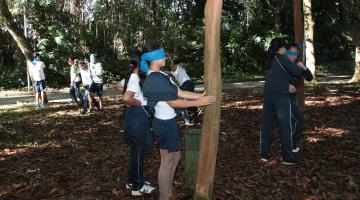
(72, 58)
(275, 45)
(35, 54)
(151, 46)
(292, 45)
(176, 61)
(134, 64)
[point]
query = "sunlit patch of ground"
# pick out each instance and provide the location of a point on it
(58, 153)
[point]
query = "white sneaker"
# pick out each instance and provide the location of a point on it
(128, 186)
(188, 124)
(146, 189)
(296, 150)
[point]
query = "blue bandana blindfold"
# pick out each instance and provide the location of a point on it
(290, 53)
(151, 56)
(93, 58)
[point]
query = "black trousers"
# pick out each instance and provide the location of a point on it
(277, 105)
(136, 166)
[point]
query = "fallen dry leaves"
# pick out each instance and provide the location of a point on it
(56, 153)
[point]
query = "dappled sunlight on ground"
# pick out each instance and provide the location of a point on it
(56, 152)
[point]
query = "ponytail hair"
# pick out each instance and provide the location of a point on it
(275, 45)
(133, 64)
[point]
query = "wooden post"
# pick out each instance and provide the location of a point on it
(299, 39)
(192, 143)
(213, 86)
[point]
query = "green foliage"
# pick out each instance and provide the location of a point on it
(116, 29)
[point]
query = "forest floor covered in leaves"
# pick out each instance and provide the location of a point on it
(57, 153)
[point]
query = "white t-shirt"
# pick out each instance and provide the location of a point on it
(37, 71)
(96, 72)
(86, 76)
(134, 86)
(180, 75)
(163, 110)
(122, 82)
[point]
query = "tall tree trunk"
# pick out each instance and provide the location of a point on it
(213, 86)
(355, 33)
(15, 31)
(309, 39)
(356, 76)
(352, 21)
(299, 39)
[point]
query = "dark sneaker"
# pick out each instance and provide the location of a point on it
(289, 162)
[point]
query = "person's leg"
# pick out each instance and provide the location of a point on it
(78, 94)
(186, 117)
(100, 93)
(132, 160)
(298, 121)
(90, 98)
(267, 127)
(72, 91)
(37, 98)
(43, 94)
(86, 99)
(173, 170)
(283, 111)
(42, 98)
(166, 166)
(136, 169)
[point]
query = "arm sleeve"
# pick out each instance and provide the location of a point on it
(292, 68)
(133, 85)
(307, 75)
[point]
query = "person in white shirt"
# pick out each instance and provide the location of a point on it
(86, 81)
(36, 71)
(75, 81)
(185, 83)
(163, 96)
(137, 129)
(96, 71)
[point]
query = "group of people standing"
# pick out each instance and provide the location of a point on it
(153, 99)
(90, 76)
(151, 96)
(280, 99)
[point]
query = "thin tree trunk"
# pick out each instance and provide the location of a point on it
(299, 38)
(309, 39)
(213, 85)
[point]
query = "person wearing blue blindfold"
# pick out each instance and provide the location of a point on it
(292, 52)
(96, 87)
(36, 72)
(279, 72)
(163, 96)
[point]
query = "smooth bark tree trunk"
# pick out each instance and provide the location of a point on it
(213, 86)
(309, 39)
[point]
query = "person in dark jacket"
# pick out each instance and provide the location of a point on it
(292, 52)
(279, 72)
